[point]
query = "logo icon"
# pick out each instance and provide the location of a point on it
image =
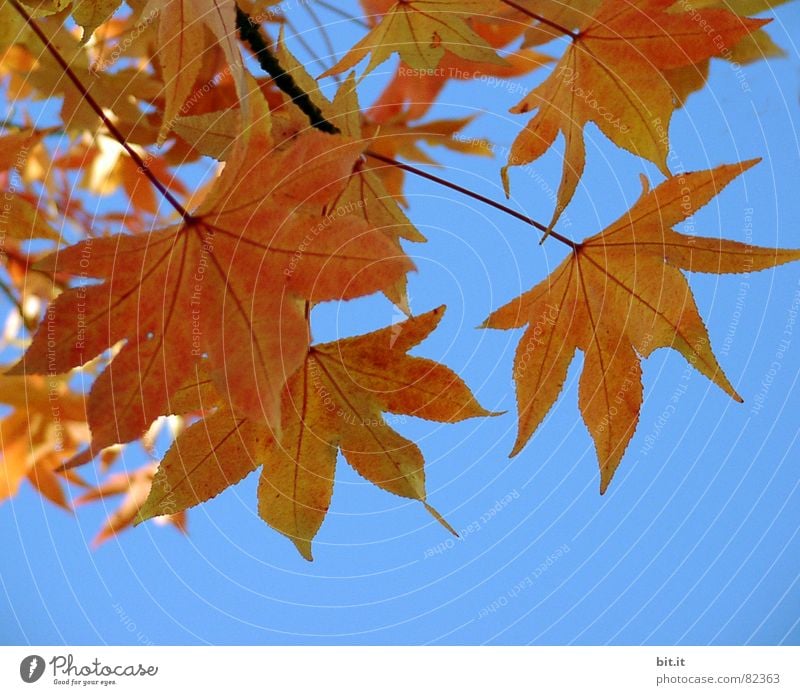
(31, 668)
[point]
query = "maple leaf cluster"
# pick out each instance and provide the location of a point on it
(188, 307)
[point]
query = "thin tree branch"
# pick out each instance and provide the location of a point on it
(89, 99)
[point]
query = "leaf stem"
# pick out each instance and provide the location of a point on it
(89, 99)
(472, 194)
(549, 22)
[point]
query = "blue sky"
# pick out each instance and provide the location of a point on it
(696, 541)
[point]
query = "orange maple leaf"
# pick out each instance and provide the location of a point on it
(617, 297)
(757, 45)
(373, 193)
(227, 285)
(184, 28)
(334, 402)
(613, 74)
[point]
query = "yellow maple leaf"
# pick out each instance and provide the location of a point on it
(421, 31)
(613, 75)
(335, 401)
(617, 297)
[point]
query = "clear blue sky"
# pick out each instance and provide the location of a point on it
(695, 543)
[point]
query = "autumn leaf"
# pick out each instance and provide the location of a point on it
(47, 422)
(105, 167)
(617, 297)
(392, 136)
(613, 75)
(13, 28)
(399, 139)
(183, 30)
(25, 219)
(134, 487)
(210, 133)
(757, 45)
(334, 402)
(90, 14)
(366, 192)
(42, 73)
(411, 93)
(15, 148)
(421, 32)
(228, 283)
